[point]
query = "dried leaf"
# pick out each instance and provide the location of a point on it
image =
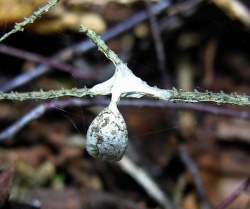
(6, 176)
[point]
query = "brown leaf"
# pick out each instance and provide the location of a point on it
(6, 176)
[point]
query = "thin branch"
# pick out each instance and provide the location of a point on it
(159, 46)
(41, 95)
(18, 125)
(36, 113)
(146, 181)
(194, 170)
(168, 95)
(191, 166)
(20, 26)
(40, 110)
(44, 60)
(101, 45)
(229, 112)
(235, 9)
(124, 26)
(142, 88)
(118, 86)
(235, 194)
(209, 109)
(208, 96)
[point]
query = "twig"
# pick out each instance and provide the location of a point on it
(210, 109)
(40, 110)
(138, 88)
(17, 126)
(20, 26)
(235, 194)
(141, 176)
(159, 47)
(117, 86)
(41, 95)
(191, 166)
(44, 60)
(235, 9)
(82, 47)
(193, 169)
(208, 96)
(209, 62)
(124, 26)
(173, 95)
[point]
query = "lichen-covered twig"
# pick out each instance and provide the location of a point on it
(28, 20)
(172, 95)
(208, 96)
(135, 87)
(125, 84)
(101, 45)
(41, 95)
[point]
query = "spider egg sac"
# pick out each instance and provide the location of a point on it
(107, 136)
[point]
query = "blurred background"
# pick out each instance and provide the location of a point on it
(180, 155)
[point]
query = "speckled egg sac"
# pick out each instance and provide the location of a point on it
(107, 136)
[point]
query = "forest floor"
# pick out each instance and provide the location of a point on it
(180, 155)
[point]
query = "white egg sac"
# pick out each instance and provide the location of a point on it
(107, 136)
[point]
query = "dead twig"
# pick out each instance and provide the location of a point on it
(159, 46)
(46, 61)
(235, 194)
(42, 108)
(194, 170)
(144, 179)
